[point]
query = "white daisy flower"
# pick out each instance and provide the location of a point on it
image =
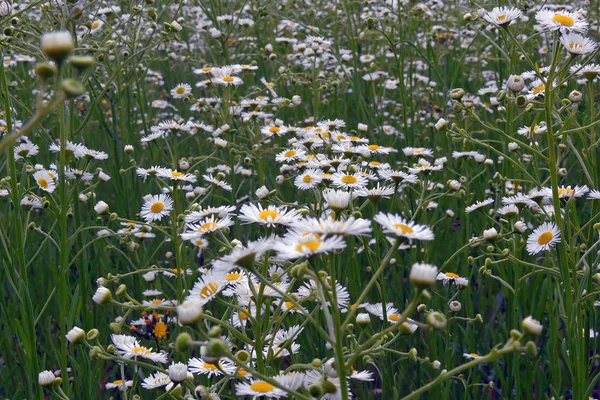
(181, 91)
(44, 181)
(543, 238)
(502, 16)
(400, 227)
(156, 207)
(270, 216)
(577, 44)
(129, 348)
(198, 366)
(565, 21)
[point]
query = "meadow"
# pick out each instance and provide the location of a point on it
(304, 199)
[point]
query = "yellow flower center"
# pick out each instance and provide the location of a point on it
(157, 207)
(177, 174)
(242, 372)
(403, 228)
(228, 78)
(262, 387)
(349, 179)
(180, 90)
(206, 69)
(43, 183)
(290, 153)
(394, 317)
(563, 19)
(140, 350)
(312, 245)
(209, 289)
(233, 276)
(274, 129)
(539, 89)
(118, 382)
(212, 367)
(307, 179)
(268, 215)
(474, 355)
(207, 226)
(96, 24)
(374, 147)
(502, 18)
(156, 301)
(545, 238)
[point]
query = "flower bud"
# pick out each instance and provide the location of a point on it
(75, 334)
(532, 326)
(57, 45)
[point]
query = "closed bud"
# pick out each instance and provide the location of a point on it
(57, 45)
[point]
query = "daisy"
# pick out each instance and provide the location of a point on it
(209, 225)
(270, 216)
(577, 44)
(338, 200)
(25, 150)
(563, 20)
(44, 181)
(503, 16)
(543, 238)
(349, 180)
(181, 91)
(290, 155)
(225, 76)
(376, 193)
(208, 287)
(309, 245)
(398, 177)
(400, 227)
(175, 175)
(568, 192)
(589, 72)
(471, 356)
(156, 207)
(130, 348)
(218, 183)
(424, 166)
(417, 151)
(478, 204)
(243, 256)
(330, 227)
(451, 277)
(200, 367)
(156, 380)
(256, 388)
(118, 384)
(309, 179)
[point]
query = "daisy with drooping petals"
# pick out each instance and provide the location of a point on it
(478, 204)
(400, 227)
(503, 16)
(156, 207)
(577, 44)
(543, 238)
